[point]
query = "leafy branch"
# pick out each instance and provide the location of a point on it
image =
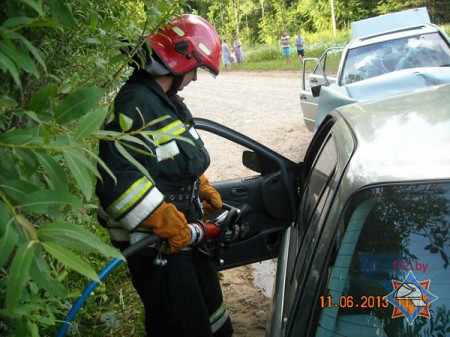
(62, 63)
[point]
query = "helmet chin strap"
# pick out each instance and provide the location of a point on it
(177, 80)
(155, 67)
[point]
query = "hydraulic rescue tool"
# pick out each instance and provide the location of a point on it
(213, 236)
(210, 238)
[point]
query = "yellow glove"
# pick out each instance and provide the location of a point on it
(211, 199)
(169, 223)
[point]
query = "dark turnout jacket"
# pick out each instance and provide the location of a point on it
(174, 164)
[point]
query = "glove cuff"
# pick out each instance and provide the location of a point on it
(203, 180)
(199, 234)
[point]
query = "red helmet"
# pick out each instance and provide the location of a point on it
(187, 43)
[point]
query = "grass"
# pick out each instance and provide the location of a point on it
(269, 57)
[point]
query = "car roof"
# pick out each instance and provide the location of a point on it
(401, 138)
(390, 22)
(392, 35)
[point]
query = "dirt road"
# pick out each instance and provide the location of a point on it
(265, 107)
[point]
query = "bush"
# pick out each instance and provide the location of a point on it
(59, 61)
(317, 43)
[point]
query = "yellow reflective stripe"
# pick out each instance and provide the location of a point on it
(175, 124)
(218, 318)
(129, 198)
(108, 221)
(218, 313)
(173, 129)
(143, 209)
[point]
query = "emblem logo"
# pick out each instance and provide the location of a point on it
(411, 298)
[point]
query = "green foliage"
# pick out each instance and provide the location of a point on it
(60, 62)
(262, 22)
(317, 43)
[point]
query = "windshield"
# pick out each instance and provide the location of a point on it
(391, 274)
(423, 50)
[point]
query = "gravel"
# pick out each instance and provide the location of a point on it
(263, 106)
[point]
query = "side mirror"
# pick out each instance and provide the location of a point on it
(316, 90)
(251, 161)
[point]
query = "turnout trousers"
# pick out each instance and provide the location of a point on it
(182, 298)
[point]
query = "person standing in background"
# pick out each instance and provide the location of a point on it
(286, 48)
(237, 48)
(225, 54)
(300, 44)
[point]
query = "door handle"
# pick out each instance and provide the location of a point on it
(239, 191)
(303, 98)
(313, 80)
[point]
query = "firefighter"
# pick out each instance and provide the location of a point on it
(177, 284)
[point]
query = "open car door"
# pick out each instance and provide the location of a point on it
(319, 71)
(266, 200)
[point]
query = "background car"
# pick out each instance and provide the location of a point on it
(364, 217)
(388, 55)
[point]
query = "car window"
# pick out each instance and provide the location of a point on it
(423, 50)
(391, 274)
(320, 175)
(313, 202)
(318, 172)
(330, 61)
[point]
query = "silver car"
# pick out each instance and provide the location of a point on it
(388, 55)
(360, 227)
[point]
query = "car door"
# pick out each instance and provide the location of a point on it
(266, 200)
(319, 178)
(319, 71)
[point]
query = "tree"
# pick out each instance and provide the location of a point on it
(263, 21)
(438, 9)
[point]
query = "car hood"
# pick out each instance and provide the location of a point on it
(401, 138)
(390, 84)
(397, 82)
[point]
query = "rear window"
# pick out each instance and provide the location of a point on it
(423, 50)
(391, 274)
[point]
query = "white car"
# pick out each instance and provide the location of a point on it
(388, 55)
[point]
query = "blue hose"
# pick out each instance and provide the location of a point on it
(80, 301)
(102, 275)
